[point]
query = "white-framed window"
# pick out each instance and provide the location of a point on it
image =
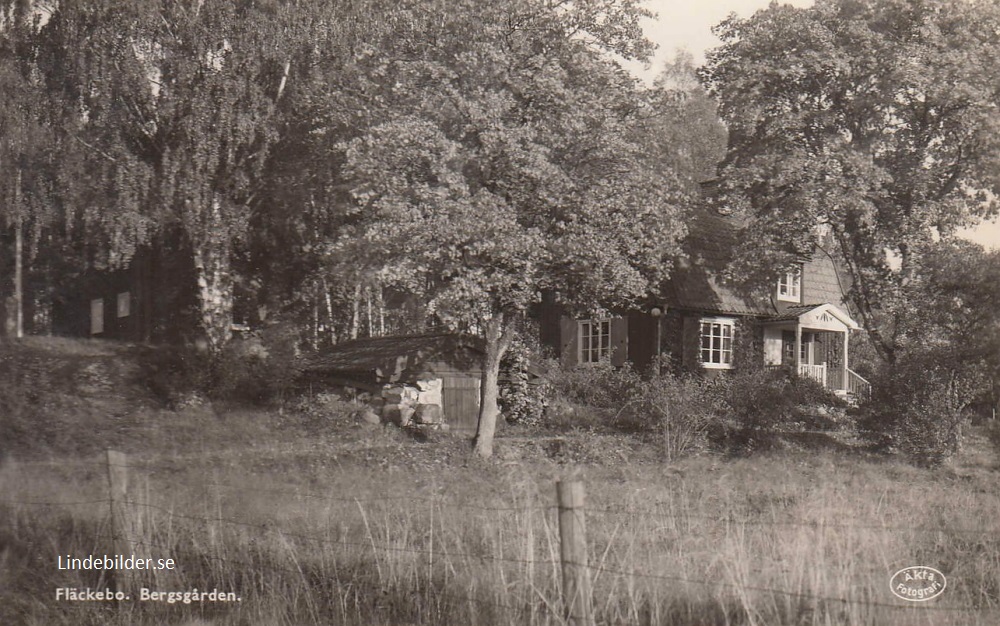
(594, 340)
(790, 286)
(124, 304)
(97, 316)
(717, 342)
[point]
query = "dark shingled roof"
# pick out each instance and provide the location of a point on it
(793, 312)
(396, 357)
(695, 282)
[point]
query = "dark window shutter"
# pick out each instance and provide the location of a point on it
(691, 343)
(619, 341)
(568, 340)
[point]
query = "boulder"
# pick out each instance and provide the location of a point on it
(428, 414)
(429, 384)
(399, 394)
(369, 416)
(429, 391)
(392, 397)
(398, 414)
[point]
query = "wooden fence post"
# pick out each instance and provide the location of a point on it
(118, 489)
(577, 596)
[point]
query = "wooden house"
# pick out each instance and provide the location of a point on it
(701, 324)
(152, 299)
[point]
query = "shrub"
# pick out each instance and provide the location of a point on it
(524, 395)
(178, 376)
(915, 409)
(679, 411)
(256, 369)
(760, 401)
(600, 385)
(738, 411)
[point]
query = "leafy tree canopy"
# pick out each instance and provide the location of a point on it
(174, 107)
(501, 160)
(952, 303)
(875, 118)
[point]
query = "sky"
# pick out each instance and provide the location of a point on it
(687, 25)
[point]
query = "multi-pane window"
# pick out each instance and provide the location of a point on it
(790, 286)
(717, 342)
(595, 340)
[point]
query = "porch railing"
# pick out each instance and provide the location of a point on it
(857, 385)
(815, 372)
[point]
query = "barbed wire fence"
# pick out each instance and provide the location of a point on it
(575, 606)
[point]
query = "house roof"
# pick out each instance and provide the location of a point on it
(396, 357)
(696, 281)
(793, 312)
(801, 313)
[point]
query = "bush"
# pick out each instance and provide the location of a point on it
(524, 396)
(760, 402)
(766, 398)
(600, 386)
(178, 376)
(255, 369)
(679, 411)
(676, 411)
(259, 368)
(915, 409)
(738, 411)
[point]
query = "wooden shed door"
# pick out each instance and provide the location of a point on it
(460, 395)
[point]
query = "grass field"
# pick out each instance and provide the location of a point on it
(321, 521)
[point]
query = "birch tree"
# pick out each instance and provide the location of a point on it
(27, 147)
(177, 103)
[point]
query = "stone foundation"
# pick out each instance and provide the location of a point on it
(418, 404)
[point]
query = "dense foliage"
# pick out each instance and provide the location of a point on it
(916, 409)
(450, 160)
(741, 412)
(361, 167)
(872, 125)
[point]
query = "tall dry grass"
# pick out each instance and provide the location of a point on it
(804, 540)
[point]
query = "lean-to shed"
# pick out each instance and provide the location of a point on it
(366, 363)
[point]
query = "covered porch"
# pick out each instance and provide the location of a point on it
(813, 340)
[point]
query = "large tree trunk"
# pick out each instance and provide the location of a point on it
(498, 339)
(864, 302)
(215, 294)
(213, 264)
(368, 305)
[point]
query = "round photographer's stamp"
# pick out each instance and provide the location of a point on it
(918, 583)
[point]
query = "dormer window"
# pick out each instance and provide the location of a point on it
(790, 286)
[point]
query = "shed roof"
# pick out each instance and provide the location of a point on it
(398, 357)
